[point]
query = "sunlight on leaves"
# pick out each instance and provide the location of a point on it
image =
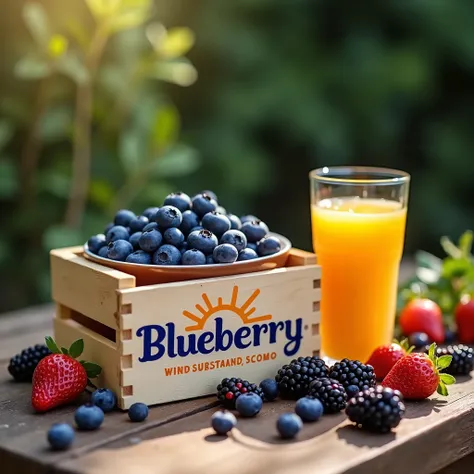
(103, 8)
(57, 46)
(170, 43)
(32, 67)
(181, 72)
(37, 23)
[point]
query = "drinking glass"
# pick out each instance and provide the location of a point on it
(358, 222)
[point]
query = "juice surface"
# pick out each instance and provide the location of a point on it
(359, 244)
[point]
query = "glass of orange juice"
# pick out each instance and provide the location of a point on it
(358, 219)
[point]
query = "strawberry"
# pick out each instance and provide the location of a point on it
(418, 375)
(423, 315)
(464, 314)
(385, 357)
(59, 378)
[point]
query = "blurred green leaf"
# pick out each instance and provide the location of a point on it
(59, 236)
(101, 193)
(130, 15)
(103, 8)
(180, 72)
(70, 65)
(36, 20)
(57, 46)
(6, 132)
(132, 149)
(56, 123)
(165, 127)
(9, 182)
(55, 182)
(32, 67)
(179, 160)
(465, 243)
(170, 43)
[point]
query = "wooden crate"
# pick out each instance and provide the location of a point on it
(174, 341)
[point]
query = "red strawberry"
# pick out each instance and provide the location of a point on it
(423, 315)
(418, 375)
(385, 357)
(59, 378)
(464, 313)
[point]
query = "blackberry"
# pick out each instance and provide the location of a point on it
(352, 372)
(330, 393)
(294, 378)
(23, 365)
(463, 358)
(377, 409)
(230, 389)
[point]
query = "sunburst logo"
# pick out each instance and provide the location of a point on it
(244, 312)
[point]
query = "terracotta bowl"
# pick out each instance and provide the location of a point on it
(153, 274)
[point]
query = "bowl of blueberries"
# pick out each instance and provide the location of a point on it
(187, 238)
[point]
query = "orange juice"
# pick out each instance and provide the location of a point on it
(359, 244)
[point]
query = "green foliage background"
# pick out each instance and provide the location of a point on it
(284, 86)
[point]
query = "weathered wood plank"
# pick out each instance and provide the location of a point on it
(330, 446)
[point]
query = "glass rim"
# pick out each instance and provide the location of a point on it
(348, 175)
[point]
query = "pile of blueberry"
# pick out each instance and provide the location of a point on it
(184, 231)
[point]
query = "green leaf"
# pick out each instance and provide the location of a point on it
(70, 65)
(450, 248)
(103, 8)
(37, 23)
(180, 72)
(179, 160)
(130, 18)
(51, 345)
(165, 127)
(172, 43)
(93, 370)
(32, 67)
(442, 389)
(427, 275)
(455, 267)
(64, 351)
(132, 149)
(432, 352)
(9, 181)
(56, 123)
(447, 379)
(76, 349)
(428, 260)
(465, 243)
(444, 361)
(6, 133)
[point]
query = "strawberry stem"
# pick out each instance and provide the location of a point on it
(439, 364)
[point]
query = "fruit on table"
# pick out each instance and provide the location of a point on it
(60, 436)
(166, 255)
(134, 240)
(423, 315)
(168, 216)
(235, 222)
(88, 417)
(377, 409)
(330, 393)
(179, 200)
(217, 223)
(289, 425)
(268, 246)
(138, 412)
(463, 358)
(96, 242)
(352, 391)
(418, 339)
(203, 203)
(353, 372)
(117, 232)
(150, 240)
(104, 398)
(59, 378)
(418, 375)
(464, 314)
(385, 357)
(254, 230)
(194, 257)
(235, 238)
(225, 253)
(247, 254)
(294, 378)
(229, 390)
(249, 404)
(137, 224)
(203, 240)
(119, 250)
(139, 256)
(309, 409)
(173, 236)
(124, 217)
(269, 388)
(22, 366)
(223, 421)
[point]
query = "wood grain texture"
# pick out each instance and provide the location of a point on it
(434, 433)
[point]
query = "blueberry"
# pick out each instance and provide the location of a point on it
(117, 232)
(168, 216)
(235, 238)
(190, 220)
(138, 412)
(449, 336)
(167, 255)
(123, 217)
(270, 389)
(309, 409)
(223, 421)
(247, 254)
(180, 200)
(119, 250)
(216, 223)
(210, 260)
(134, 239)
(96, 242)
(183, 247)
(203, 203)
(202, 240)
(248, 404)
(212, 194)
(137, 224)
(150, 240)
(252, 245)
(198, 227)
(139, 256)
(221, 210)
(173, 236)
(289, 425)
(248, 218)
(225, 253)
(103, 252)
(193, 257)
(88, 417)
(151, 226)
(418, 339)
(269, 245)
(254, 230)
(352, 391)
(108, 227)
(150, 212)
(104, 398)
(234, 221)
(60, 436)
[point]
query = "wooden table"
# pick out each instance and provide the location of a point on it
(177, 439)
